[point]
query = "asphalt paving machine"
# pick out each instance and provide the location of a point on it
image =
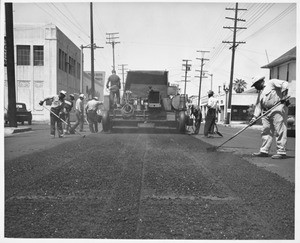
(148, 101)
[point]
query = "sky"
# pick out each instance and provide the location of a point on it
(160, 35)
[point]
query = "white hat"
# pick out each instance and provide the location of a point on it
(256, 79)
(81, 95)
(95, 98)
(63, 92)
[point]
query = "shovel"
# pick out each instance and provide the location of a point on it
(212, 149)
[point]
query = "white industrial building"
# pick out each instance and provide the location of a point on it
(46, 61)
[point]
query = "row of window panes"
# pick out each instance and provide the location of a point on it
(63, 64)
(23, 55)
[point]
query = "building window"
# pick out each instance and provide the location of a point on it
(288, 72)
(38, 55)
(60, 59)
(72, 64)
(5, 52)
(23, 55)
(78, 70)
(278, 70)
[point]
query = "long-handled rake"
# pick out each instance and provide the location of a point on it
(217, 130)
(212, 149)
(83, 136)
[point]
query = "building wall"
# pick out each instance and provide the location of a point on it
(33, 82)
(99, 78)
(285, 71)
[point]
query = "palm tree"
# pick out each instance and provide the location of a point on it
(239, 85)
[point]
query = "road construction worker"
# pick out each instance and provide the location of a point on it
(114, 88)
(68, 105)
(56, 112)
(210, 118)
(79, 112)
(274, 123)
(196, 112)
(91, 113)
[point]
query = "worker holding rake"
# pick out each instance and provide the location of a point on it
(57, 102)
(274, 123)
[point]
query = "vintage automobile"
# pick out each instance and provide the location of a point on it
(22, 114)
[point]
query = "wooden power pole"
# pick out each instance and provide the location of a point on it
(201, 73)
(234, 45)
(11, 112)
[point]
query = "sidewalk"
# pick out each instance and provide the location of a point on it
(12, 130)
(248, 142)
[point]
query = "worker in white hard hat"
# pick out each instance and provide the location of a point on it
(91, 112)
(212, 109)
(274, 123)
(56, 112)
(79, 112)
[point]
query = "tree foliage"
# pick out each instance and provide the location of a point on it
(239, 85)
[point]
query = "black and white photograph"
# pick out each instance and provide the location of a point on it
(149, 120)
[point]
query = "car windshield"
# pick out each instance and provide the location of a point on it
(20, 106)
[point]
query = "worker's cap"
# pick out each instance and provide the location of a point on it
(81, 95)
(95, 98)
(257, 79)
(210, 92)
(63, 92)
(71, 95)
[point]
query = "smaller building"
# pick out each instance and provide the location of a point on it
(240, 103)
(99, 82)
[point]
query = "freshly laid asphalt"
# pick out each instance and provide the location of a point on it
(144, 186)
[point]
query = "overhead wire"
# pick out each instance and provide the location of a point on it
(268, 25)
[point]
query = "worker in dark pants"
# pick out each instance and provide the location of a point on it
(79, 112)
(56, 113)
(212, 105)
(68, 105)
(114, 88)
(91, 113)
(196, 112)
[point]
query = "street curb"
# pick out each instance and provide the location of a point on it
(13, 130)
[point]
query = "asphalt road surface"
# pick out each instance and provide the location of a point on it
(137, 185)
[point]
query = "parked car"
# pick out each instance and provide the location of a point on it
(22, 114)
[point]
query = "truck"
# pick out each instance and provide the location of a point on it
(148, 101)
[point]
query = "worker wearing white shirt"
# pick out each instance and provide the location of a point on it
(213, 107)
(91, 113)
(275, 123)
(79, 112)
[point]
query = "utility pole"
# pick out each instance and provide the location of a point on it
(187, 68)
(9, 24)
(201, 73)
(93, 47)
(234, 45)
(92, 53)
(111, 40)
(123, 75)
(211, 80)
(82, 62)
